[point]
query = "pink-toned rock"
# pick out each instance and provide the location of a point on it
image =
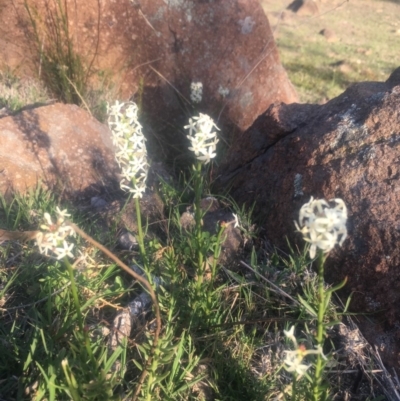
(348, 148)
(59, 145)
(224, 45)
(155, 49)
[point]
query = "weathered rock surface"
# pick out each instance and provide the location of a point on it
(348, 148)
(61, 146)
(224, 45)
(156, 48)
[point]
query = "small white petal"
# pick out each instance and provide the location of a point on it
(236, 220)
(64, 251)
(290, 335)
(48, 219)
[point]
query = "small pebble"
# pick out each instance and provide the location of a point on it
(98, 202)
(128, 241)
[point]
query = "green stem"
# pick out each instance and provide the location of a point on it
(294, 388)
(198, 188)
(74, 291)
(217, 252)
(149, 386)
(140, 236)
(320, 326)
(75, 297)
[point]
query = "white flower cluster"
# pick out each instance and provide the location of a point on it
(203, 140)
(53, 238)
(224, 92)
(322, 226)
(130, 142)
(293, 361)
(196, 93)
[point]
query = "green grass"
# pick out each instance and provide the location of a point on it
(222, 335)
(224, 342)
(39, 331)
(318, 77)
(16, 93)
(365, 45)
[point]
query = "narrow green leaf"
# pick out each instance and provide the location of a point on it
(338, 287)
(327, 300)
(115, 355)
(347, 303)
(307, 306)
(52, 388)
(161, 377)
(178, 358)
(188, 385)
(31, 353)
(138, 365)
(236, 277)
(332, 323)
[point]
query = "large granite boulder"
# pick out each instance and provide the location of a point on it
(59, 145)
(348, 148)
(154, 49)
(228, 46)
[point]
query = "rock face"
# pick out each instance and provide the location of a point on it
(157, 48)
(228, 46)
(60, 145)
(348, 148)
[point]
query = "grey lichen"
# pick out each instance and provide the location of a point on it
(298, 186)
(349, 132)
(246, 25)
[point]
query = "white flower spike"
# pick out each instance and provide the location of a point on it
(224, 92)
(131, 144)
(321, 225)
(196, 93)
(203, 140)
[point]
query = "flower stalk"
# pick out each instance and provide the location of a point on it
(320, 326)
(53, 239)
(322, 227)
(132, 158)
(140, 238)
(203, 142)
(198, 216)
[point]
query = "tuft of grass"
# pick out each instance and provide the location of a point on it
(15, 92)
(45, 356)
(60, 66)
(222, 342)
(66, 74)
